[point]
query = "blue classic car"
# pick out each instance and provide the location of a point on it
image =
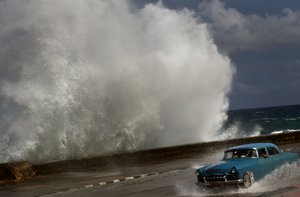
(241, 165)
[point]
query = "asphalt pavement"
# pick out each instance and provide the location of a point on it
(173, 178)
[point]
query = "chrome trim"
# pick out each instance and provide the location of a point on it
(215, 178)
(220, 183)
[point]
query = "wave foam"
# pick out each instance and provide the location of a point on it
(85, 78)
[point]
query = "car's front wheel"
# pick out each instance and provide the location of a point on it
(248, 179)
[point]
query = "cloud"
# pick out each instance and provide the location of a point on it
(234, 31)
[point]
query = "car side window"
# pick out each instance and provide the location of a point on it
(262, 152)
(272, 151)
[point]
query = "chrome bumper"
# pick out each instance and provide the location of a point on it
(220, 183)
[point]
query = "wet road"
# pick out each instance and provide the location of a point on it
(182, 183)
(174, 178)
(173, 183)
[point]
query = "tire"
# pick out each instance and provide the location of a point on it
(248, 180)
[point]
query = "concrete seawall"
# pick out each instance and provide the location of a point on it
(22, 171)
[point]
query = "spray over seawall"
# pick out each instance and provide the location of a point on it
(93, 77)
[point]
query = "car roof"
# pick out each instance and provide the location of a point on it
(253, 145)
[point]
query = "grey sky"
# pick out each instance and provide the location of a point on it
(262, 40)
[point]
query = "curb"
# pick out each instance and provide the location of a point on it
(138, 176)
(114, 181)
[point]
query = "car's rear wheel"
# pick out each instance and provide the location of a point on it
(248, 179)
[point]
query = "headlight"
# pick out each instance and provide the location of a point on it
(233, 170)
(197, 173)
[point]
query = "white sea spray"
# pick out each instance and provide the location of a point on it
(83, 78)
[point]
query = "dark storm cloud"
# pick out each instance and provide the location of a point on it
(245, 25)
(261, 8)
(234, 30)
(264, 48)
(267, 78)
(262, 40)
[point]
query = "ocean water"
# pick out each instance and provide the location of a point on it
(264, 121)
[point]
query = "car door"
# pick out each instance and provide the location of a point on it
(275, 159)
(265, 162)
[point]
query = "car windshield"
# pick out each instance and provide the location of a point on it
(239, 153)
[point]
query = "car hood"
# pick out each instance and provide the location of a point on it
(225, 166)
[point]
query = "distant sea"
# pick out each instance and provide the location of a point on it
(262, 121)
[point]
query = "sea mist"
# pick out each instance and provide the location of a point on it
(84, 78)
